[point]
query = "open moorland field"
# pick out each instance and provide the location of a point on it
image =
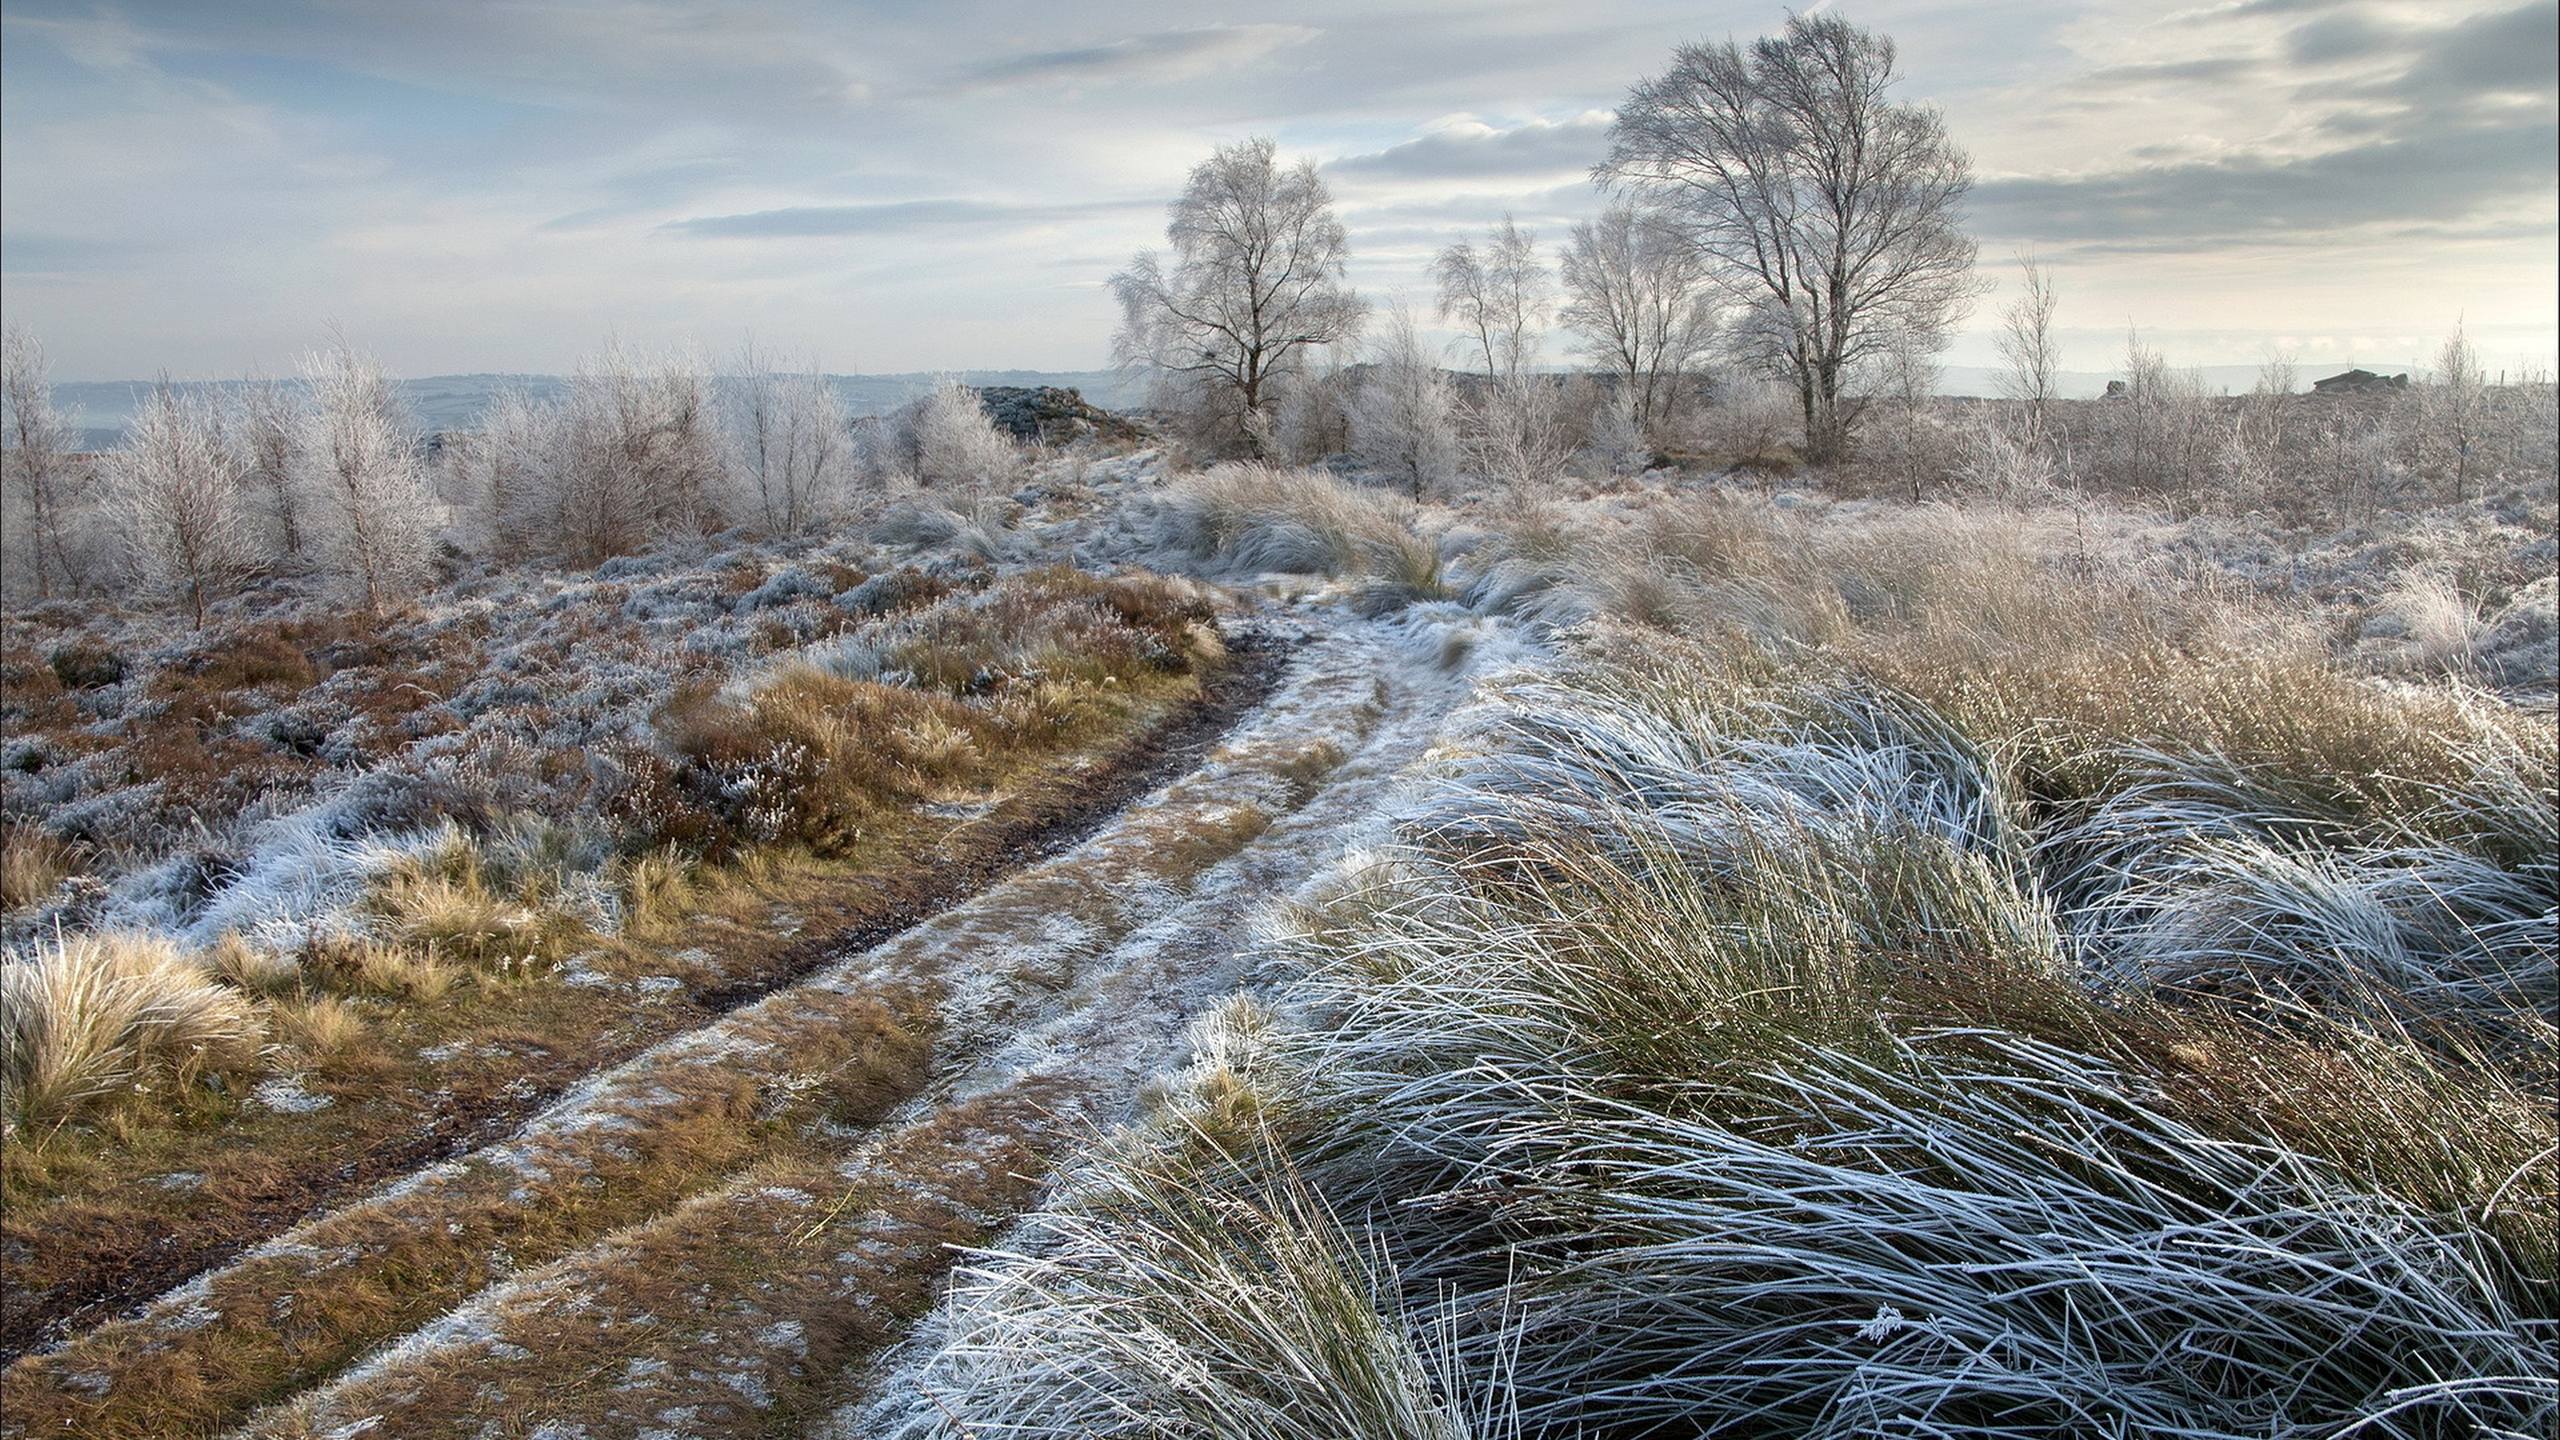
(1714, 891)
(1226, 944)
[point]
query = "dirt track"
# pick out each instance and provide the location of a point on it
(907, 1092)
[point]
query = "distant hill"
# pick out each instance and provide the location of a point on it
(101, 409)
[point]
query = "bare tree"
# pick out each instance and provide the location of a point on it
(1829, 211)
(374, 512)
(176, 485)
(1910, 387)
(1404, 419)
(1519, 433)
(2156, 426)
(2030, 357)
(794, 444)
(1637, 294)
(2456, 406)
(1499, 296)
(45, 481)
(1257, 279)
(264, 431)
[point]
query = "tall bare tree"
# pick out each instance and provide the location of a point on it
(1256, 280)
(2030, 358)
(1637, 294)
(1830, 211)
(2456, 406)
(1498, 296)
(45, 480)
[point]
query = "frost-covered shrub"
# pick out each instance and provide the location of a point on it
(794, 452)
(944, 441)
(176, 487)
(1404, 415)
(635, 453)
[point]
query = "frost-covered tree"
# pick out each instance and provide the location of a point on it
(637, 456)
(958, 447)
(1829, 211)
(176, 487)
(507, 471)
(266, 426)
(2155, 427)
(372, 512)
(45, 484)
(1636, 293)
(1519, 433)
(2455, 408)
(2030, 355)
(1498, 296)
(794, 445)
(942, 440)
(1256, 280)
(1404, 418)
(1908, 386)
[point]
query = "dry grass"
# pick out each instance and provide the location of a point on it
(33, 866)
(318, 1026)
(1256, 519)
(89, 1018)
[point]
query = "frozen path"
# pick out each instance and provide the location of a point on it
(762, 1304)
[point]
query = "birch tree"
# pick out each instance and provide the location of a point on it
(45, 481)
(373, 511)
(1637, 294)
(1497, 296)
(2455, 407)
(176, 485)
(1256, 280)
(2030, 357)
(1829, 212)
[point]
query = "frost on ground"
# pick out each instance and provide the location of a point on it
(744, 1220)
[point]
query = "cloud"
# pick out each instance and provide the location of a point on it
(1470, 149)
(40, 253)
(2507, 52)
(889, 217)
(1162, 55)
(2146, 74)
(2410, 180)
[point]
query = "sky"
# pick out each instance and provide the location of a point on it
(206, 189)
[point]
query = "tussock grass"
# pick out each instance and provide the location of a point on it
(33, 866)
(1193, 1295)
(1245, 519)
(88, 1018)
(318, 1025)
(1728, 1045)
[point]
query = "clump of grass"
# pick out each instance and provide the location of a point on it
(367, 966)
(318, 1026)
(33, 866)
(249, 968)
(2443, 626)
(87, 1018)
(1191, 1295)
(1259, 519)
